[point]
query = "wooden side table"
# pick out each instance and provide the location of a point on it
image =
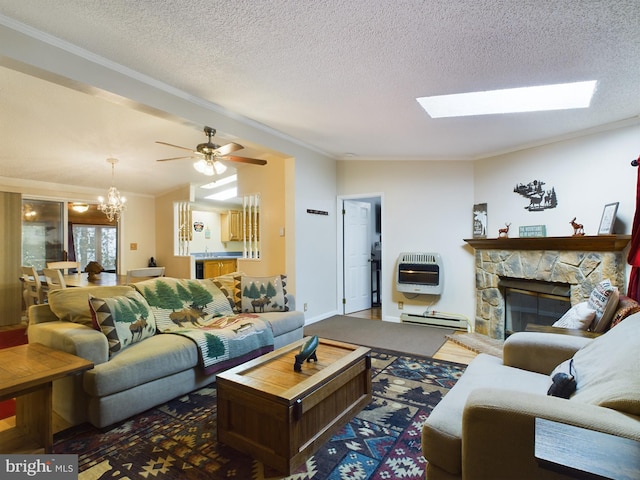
(27, 373)
(586, 454)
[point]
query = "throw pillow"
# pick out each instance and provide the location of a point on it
(626, 306)
(579, 316)
(264, 294)
(70, 304)
(124, 320)
(229, 284)
(607, 369)
(177, 301)
(604, 300)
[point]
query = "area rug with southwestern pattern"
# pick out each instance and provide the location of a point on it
(177, 440)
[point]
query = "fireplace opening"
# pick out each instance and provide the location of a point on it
(533, 302)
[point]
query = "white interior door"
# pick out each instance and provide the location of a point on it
(357, 255)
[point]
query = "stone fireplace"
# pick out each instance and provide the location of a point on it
(579, 262)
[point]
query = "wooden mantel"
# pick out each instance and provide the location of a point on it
(587, 243)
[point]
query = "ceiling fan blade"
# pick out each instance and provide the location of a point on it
(174, 158)
(252, 161)
(175, 146)
(228, 148)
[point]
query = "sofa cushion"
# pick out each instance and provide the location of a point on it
(284, 322)
(125, 319)
(72, 304)
(229, 284)
(607, 368)
(579, 316)
(154, 357)
(264, 294)
(176, 301)
(604, 300)
(442, 433)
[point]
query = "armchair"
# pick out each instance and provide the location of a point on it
(484, 427)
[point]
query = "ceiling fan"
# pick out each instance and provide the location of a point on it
(210, 155)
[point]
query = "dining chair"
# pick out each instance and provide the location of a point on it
(33, 291)
(148, 272)
(54, 278)
(66, 266)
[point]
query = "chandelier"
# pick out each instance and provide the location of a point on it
(209, 166)
(114, 204)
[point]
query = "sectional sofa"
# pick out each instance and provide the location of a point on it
(155, 340)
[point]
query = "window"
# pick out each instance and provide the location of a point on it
(96, 243)
(42, 232)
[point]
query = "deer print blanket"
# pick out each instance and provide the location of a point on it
(198, 310)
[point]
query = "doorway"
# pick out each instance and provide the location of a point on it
(54, 230)
(360, 253)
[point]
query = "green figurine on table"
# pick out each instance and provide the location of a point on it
(307, 352)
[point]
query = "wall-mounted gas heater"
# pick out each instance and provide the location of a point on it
(420, 273)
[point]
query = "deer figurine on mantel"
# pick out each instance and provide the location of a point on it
(504, 232)
(578, 228)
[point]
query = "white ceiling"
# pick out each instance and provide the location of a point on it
(341, 76)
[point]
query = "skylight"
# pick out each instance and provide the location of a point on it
(561, 96)
(224, 194)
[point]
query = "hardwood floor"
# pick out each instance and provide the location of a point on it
(450, 351)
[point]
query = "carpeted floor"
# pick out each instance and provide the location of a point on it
(177, 440)
(400, 337)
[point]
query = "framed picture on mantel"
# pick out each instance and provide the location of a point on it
(480, 220)
(608, 219)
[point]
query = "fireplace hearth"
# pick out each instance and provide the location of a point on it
(575, 265)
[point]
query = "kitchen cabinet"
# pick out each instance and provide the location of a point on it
(219, 266)
(232, 228)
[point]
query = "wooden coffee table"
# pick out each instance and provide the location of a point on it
(280, 416)
(27, 373)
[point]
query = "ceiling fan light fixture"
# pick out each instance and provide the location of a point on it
(219, 167)
(203, 167)
(209, 168)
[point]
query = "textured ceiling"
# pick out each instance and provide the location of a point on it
(339, 75)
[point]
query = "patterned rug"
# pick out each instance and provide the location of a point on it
(177, 440)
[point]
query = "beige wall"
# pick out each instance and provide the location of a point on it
(269, 182)
(137, 227)
(165, 237)
(426, 207)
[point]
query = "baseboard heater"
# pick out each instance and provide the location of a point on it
(436, 320)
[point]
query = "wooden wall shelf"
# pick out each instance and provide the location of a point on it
(587, 243)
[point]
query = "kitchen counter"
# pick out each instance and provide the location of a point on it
(199, 257)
